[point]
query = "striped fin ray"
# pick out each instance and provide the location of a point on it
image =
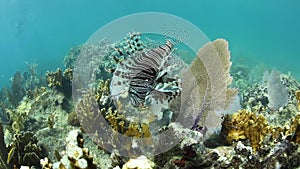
(166, 91)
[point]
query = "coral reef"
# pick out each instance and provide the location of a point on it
(31, 78)
(42, 129)
(256, 98)
(22, 84)
(247, 125)
(280, 155)
(293, 129)
(38, 111)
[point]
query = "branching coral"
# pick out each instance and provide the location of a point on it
(246, 125)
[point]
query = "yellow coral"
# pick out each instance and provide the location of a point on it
(297, 93)
(247, 125)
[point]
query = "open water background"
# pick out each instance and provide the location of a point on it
(42, 31)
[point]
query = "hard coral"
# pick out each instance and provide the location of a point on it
(247, 125)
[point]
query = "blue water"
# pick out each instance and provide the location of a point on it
(42, 31)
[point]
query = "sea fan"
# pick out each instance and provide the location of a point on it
(205, 96)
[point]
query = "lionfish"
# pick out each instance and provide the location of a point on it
(143, 76)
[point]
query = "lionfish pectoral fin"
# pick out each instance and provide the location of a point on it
(166, 91)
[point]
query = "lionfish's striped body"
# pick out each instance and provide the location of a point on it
(144, 73)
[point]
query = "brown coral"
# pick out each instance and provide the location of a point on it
(247, 125)
(297, 93)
